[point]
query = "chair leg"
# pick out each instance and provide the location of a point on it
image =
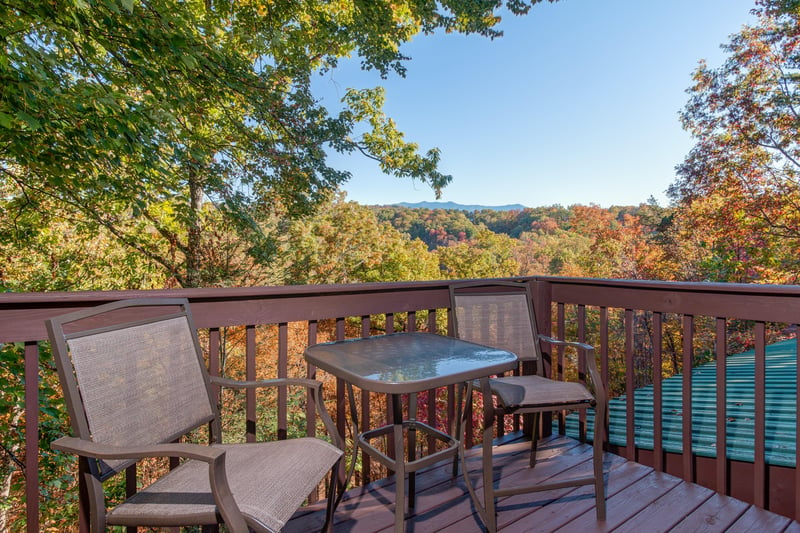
(534, 439)
(335, 494)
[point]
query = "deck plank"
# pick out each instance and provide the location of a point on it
(717, 513)
(665, 512)
(625, 503)
(560, 512)
(758, 520)
(638, 499)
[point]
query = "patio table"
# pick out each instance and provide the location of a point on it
(406, 363)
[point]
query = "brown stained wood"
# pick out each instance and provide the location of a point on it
(250, 375)
(639, 499)
(630, 408)
(32, 432)
(716, 514)
(658, 403)
(522, 508)
(767, 303)
(722, 441)
(626, 503)
(686, 393)
(661, 515)
(551, 466)
(22, 320)
(22, 315)
(559, 513)
(759, 521)
(759, 469)
(283, 372)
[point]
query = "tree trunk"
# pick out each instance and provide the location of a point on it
(194, 231)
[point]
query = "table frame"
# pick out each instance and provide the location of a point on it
(334, 358)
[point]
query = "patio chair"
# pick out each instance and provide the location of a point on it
(133, 388)
(500, 314)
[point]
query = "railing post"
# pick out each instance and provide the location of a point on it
(542, 306)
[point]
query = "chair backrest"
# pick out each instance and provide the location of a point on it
(132, 373)
(497, 314)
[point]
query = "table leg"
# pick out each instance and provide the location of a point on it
(400, 471)
(412, 452)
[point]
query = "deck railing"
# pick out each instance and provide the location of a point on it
(639, 328)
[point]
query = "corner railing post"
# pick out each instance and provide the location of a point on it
(542, 304)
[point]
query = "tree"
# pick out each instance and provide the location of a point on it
(136, 115)
(486, 255)
(740, 184)
(620, 245)
(346, 243)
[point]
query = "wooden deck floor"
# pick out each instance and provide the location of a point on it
(639, 500)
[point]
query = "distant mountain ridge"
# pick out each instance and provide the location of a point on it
(461, 207)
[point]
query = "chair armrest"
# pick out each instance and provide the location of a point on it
(87, 448)
(314, 387)
(215, 458)
(586, 351)
(573, 344)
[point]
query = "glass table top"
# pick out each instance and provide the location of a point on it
(402, 363)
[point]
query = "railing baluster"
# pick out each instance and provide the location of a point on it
(558, 374)
(688, 360)
(311, 372)
(283, 372)
(658, 400)
(311, 410)
(451, 389)
(432, 392)
(341, 401)
(630, 420)
(366, 409)
(722, 406)
(604, 370)
(759, 467)
(213, 358)
(32, 435)
(250, 375)
(388, 399)
(581, 370)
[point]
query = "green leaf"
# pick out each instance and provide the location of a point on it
(32, 122)
(5, 120)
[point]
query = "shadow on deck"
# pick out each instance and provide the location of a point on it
(639, 499)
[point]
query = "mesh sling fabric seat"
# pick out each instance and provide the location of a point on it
(500, 314)
(135, 382)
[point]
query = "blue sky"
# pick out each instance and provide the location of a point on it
(577, 103)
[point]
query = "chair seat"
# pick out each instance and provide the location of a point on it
(532, 392)
(269, 481)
